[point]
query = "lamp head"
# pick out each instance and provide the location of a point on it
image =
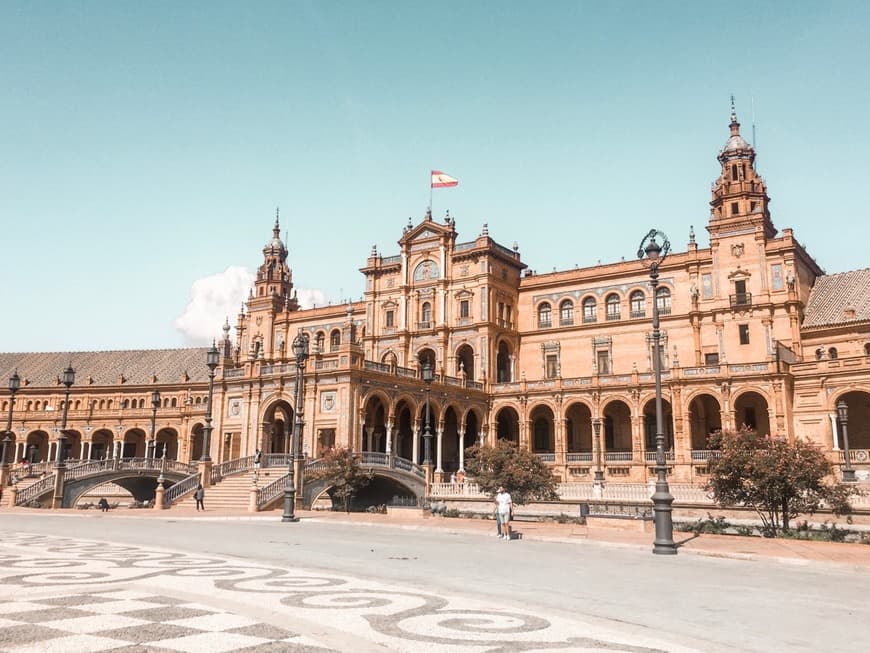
(653, 250)
(842, 411)
(596, 425)
(428, 371)
(69, 376)
(14, 382)
(212, 357)
(300, 347)
(155, 399)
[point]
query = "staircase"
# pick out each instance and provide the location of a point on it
(233, 493)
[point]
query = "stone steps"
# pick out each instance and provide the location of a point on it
(233, 492)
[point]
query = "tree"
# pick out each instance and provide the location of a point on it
(340, 469)
(521, 472)
(777, 478)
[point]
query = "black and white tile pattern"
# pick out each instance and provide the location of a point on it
(76, 596)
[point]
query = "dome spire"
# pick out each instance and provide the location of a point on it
(735, 126)
(276, 230)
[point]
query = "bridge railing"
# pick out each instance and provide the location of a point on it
(91, 467)
(268, 493)
(180, 489)
(276, 460)
(30, 493)
(409, 466)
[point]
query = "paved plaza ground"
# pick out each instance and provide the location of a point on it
(158, 581)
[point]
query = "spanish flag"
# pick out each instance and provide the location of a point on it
(440, 180)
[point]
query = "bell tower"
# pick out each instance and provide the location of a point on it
(740, 201)
(274, 282)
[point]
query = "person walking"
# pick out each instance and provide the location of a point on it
(103, 504)
(258, 455)
(504, 506)
(199, 495)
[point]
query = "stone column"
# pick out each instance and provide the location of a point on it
(440, 434)
(158, 497)
(369, 432)
(415, 454)
(389, 444)
(462, 451)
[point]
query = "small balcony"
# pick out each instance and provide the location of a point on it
(740, 299)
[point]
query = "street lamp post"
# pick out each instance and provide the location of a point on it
(662, 498)
(843, 417)
(211, 361)
(14, 385)
(428, 376)
(294, 473)
(155, 404)
(68, 378)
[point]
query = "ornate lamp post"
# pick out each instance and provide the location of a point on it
(428, 376)
(300, 350)
(155, 404)
(211, 361)
(843, 418)
(68, 378)
(662, 499)
(14, 385)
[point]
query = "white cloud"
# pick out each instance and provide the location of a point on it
(220, 296)
(212, 300)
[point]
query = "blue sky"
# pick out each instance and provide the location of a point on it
(145, 146)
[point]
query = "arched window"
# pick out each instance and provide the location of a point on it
(832, 353)
(125, 403)
(334, 340)
(544, 316)
(566, 313)
(589, 312)
(319, 341)
(867, 349)
(174, 403)
(141, 403)
(663, 301)
(612, 303)
(820, 353)
(638, 304)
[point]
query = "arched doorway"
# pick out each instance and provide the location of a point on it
(277, 428)
(617, 427)
(578, 426)
(649, 425)
(472, 429)
(196, 442)
(750, 411)
(450, 441)
(434, 411)
(858, 426)
(543, 438)
(403, 430)
(705, 418)
(166, 444)
(375, 425)
(72, 445)
(134, 444)
(504, 363)
(507, 425)
(465, 362)
(36, 449)
(101, 444)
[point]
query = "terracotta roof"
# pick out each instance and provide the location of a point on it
(839, 299)
(106, 367)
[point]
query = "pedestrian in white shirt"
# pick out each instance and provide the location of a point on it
(503, 507)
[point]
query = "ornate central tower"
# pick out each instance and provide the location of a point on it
(740, 201)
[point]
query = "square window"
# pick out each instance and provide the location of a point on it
(464, 308)
(552, 366)
(711, 359)
(391, 318)
(744, 334)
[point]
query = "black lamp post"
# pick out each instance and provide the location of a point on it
(14, 385)
(211, 361)
(155, 404)
(68, 378)
(843, 418)
(662, 498)
(599, 472)
(428, 377)
(300, 350)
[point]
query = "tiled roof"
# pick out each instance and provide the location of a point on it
(839, 299)
(106, 367)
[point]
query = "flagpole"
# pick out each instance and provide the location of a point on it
(430, 192)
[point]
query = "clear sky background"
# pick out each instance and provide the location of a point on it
(144, 146)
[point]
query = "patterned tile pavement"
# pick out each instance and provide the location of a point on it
(76, 596)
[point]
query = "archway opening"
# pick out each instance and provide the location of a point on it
(750, 411)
